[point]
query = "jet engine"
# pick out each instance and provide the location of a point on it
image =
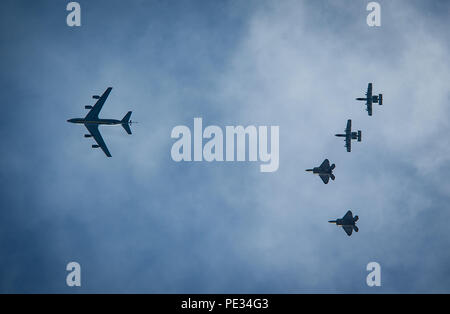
(375, 99)
(87, 107)
(359, 136)
(96, 97)
(87, 135)
(95, 146)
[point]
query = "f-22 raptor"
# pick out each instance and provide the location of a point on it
(347, 222)
(371, 99)
(92, 121)
(325, 171)
(349, 136)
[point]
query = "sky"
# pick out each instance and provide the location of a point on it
(140, 222)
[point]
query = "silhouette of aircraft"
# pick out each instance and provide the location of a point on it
(325, 171)
(92, 121)
(349, 136)
(347, 222)
(369, 99)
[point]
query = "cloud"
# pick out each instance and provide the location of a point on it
(139, 222)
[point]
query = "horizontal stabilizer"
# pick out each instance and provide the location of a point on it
(126, 122)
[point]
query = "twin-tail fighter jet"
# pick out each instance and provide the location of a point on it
(348, 223)
(371, 99)
(92, 121)
(325, 171)
(349, 136)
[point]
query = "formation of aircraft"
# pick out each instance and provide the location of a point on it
(91, 121)
(348, 223)
(371, 99)
(325, 171)
(349, 135)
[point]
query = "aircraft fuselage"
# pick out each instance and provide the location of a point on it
(349, 135)
(343, 222)
(368, 99)
(317, 170)
(99, 121)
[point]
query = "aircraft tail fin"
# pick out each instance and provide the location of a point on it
(355, 228)
(332, 177)
(126, 122)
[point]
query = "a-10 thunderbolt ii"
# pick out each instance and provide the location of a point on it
(325, 171)
(371, 99)
(349, 136)
(92, 121)
(347, 222)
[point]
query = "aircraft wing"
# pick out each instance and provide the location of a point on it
(93, 129)
(348, 128)
(93, 113)
(369, 107)
(325, 179)
(348, 215)
(369, 90)
(325, 165)
(348, 144)
(348, 230)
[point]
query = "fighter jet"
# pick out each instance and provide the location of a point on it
(349, 135)
(92, 121)
(369, 99)
(347, 222)
(324, 171)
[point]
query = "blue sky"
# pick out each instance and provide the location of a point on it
(140, 222)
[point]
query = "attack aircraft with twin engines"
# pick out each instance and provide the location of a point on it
(371, 99)
(349, 136)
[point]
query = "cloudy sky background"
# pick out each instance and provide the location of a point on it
(140, 222)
